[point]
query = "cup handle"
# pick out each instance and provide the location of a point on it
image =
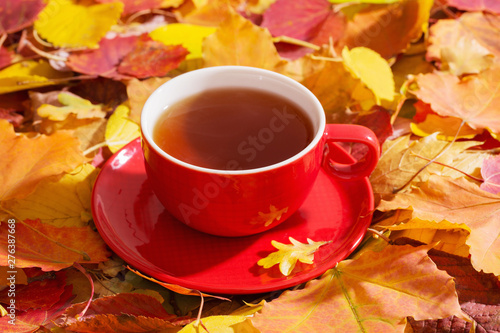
(351, 133)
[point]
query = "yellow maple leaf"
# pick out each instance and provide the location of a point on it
(81, 107)
(448, 237)
(222, 324)
(288, 255)
(372, 70)
(447, 127)
(199, 3)
(90, 131)
(330, 81)
(65, 23)
(238, 41)
(65, 202)
(445, 236)
(29, 74)
(188, 35)
(120, 129)
(402, 159)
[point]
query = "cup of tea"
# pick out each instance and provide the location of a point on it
(234, 150)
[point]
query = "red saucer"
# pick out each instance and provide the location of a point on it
(137, 228)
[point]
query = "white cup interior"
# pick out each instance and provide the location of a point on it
(197, 81)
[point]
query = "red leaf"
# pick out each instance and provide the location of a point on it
(104, 60)
(17, 15)
(133, 6)
(31, 321)
(490, 172)
(291, 51)
(450, 324)
(105, 323)
(422, 110)
(311, 21)
(476, 5)
(11, 116)
(299, 19)
(6, 57)
(489, 142)
(332, 28)
(378, 120)
(137, 312)
(123, 303)
(42, 293)
(486, 316)
(478, 293)
(471, 285)
(151, 58)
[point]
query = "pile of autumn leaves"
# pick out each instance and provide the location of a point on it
(425, 77)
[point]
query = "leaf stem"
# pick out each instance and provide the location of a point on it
(146, 12)
(94, 148)
(103, 144)
(198, 321)
(326, 58)
(81, 269)
(379, 234)
(445, 148)
(40, 40)
(451, 167)
(338, 275)
(43, 53)
(337, 7)
(2, 39)
(403, 90)
(295, 41)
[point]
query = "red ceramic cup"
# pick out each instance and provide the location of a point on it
(245, 202)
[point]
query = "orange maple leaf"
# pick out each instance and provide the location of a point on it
(474, 99)
(366, 295)
(51, 248)
(458, 201)
(25, 162)
(387, 29)
(238, 41)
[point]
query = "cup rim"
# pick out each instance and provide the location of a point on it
(147, 135)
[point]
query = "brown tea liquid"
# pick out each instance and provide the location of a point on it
(233, 128)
